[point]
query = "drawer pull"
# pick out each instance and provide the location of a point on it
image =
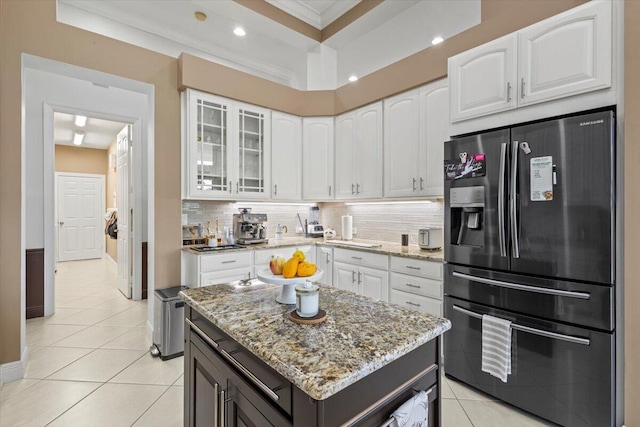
(262, 386)
(201, 334)
(411, 267)
(411, 285)
(412, 303)
(229, 262)
(357, 257)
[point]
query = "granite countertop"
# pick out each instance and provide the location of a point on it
(359, 336)
(395, 249)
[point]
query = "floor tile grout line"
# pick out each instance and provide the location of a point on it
(75, 404)
(14, 395)
(466, 413)
(150, 406)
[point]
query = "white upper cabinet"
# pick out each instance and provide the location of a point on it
(483, 80)
(566, 54)
(401, 145)
(286, 158)
(317, 158)
(226, 148)
(434, 131)
(358, 158)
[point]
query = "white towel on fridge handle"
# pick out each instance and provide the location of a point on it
(496, 347)
(413, 413)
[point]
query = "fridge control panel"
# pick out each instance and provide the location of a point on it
(467, 197)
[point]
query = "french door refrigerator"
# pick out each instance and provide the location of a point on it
(530, 237)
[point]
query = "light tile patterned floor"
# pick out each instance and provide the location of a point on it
(89, 365)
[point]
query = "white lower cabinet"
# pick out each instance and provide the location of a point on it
(416, 284)
(212, 269)
(373, 283)
(324, 261)
(344, 276)
(355, 271)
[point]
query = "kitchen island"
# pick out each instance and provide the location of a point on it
(246, 363)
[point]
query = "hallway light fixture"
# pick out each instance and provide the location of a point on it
(81, 121)
(437, 40)
(353, 78)
(78, 137)
(239, 31)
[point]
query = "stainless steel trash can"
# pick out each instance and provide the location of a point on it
(168, 321)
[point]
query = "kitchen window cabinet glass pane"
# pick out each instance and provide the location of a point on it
(251, 152)
(211, 139)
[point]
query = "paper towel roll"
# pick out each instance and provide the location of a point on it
(347, 227)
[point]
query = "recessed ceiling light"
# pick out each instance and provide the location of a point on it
(81, 121)
(201, 16)
(78, 137)
(239, 31)
(353, 78)
(437, 40)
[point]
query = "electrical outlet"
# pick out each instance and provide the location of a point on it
(299, 230)
(354, 230)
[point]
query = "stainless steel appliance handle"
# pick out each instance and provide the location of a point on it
(223, 421)
(554, 335)
(216, 403)
(201, 334)
(536, 289)
(513, 205)
(262, 386)
(502, 238)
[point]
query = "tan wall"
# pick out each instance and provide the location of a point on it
(81, 160)
(31, 27)
(631, 209)
(111, 184)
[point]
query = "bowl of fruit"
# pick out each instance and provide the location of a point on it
(289, 273)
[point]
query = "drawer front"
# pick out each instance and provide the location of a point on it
(417, 267)
(416, 285)
(416, 302)
(225, 276)
(227, 261)
(367, 259)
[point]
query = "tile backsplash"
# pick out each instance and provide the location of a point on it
(385, 222)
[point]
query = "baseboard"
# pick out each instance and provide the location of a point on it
(13, 371)
(112, 261)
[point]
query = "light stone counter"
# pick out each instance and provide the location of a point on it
(395, 249)
(359, 336)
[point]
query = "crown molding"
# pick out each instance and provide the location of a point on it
(311, 16)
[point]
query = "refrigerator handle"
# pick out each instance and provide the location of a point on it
(513, 201)
(501, 199)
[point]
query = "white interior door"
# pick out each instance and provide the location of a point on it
(123, 194)
(80, 209)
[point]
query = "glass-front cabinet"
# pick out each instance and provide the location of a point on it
(225, 150)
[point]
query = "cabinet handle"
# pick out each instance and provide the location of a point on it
(412, 303)
(237, 186)
(411, 267)
(508, 92)
(216, 403)
(357, 257)
(249, 275)
(229, 262)
(353, 277)
(327, 258)
(359, 278)
(221, 410)
(329, 191)
(262, 386)
(201, 334)
(230, 188)
(357, 188)
(414, 184)
(275, 190)
(421, 184)
(353, 191)
(522, 88)
(412, 285)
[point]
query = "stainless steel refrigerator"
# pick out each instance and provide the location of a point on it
(530, 237)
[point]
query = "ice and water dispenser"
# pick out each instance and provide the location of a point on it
(467, 216)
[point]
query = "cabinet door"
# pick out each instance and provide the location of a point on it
(286, 158)
(203, 384)
(209, 146)
(240, 412)
(566, 55)
(317, 158)
(344, 276)
(374, 283)
(401, 145)
(324, 260)
(345, 184)
(367, 160)
(483, 79)
(253, 152)
(434, 131)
